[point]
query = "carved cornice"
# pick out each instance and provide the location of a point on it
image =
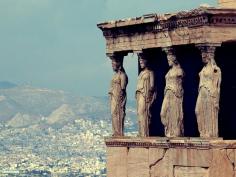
(192, 18)
(223, 20)
(164, 142)
(199, 145)
(160, 23)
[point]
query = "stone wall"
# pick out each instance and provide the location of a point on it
(162, 157)
(227, 3)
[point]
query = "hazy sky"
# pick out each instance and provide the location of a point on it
(55, 43)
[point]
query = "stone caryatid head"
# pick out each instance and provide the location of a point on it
(117, 63)
(143, 62)
(171, 57)
(172, 60)
(208, 54)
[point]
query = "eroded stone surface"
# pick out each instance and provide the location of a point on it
(218, 160)
(221, 165)
(117, 162)
(180, 171)
(164, 167)
(231, 156)
(181, 158)
(199, 157)
(138, 162)
(155, 155)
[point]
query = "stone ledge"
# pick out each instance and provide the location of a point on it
(163, 142)
(170, 157)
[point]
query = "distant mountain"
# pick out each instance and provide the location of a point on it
(22, 120)
(61, 116)
(25, 105)
(38, 102)
(8, 107)
(6, 85)
(33, 101)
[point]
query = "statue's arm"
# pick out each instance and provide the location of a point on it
(151, 87)
(110, 90)
(219, 81)
(180, 73)
(152, 81)
(218, 85)
(124, 81)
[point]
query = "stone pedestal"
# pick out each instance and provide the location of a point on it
(163, 157)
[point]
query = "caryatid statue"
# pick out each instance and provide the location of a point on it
(118, 95)
(172, 106)
(207, 106)
(145, 95)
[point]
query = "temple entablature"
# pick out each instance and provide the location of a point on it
(202, 25)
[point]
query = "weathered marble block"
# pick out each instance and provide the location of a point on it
(177, 157)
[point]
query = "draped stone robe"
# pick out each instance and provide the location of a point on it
(145, 95)
(207, 106)
(172, 106)
(118, 101)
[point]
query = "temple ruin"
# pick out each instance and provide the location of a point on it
(185, 94)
